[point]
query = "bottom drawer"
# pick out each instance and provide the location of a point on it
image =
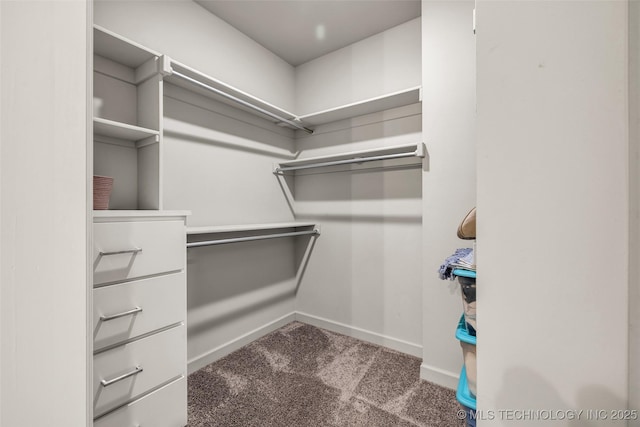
(165, 407)
(124, 373)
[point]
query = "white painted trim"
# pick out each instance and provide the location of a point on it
(439, 376)
(369, 336)
(434, 375)
(235, 344)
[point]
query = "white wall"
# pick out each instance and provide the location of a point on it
(363, 277)
(380, 64)
(43, 215)
(448, 186)
(553, 205)
(218, 163)
(634, 208)
(190, 34)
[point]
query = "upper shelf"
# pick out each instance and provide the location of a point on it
(120, 130)
(220, 91)
(119, 49)
(368, 106)
(135, 56)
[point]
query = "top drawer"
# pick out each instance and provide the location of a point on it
(125, 250)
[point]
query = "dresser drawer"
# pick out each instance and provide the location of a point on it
(165, 407)
(127, 310)
(125, 250)
(123, 373)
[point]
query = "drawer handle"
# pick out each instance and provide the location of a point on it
(107, 383)
(119, 315)
(126, 251)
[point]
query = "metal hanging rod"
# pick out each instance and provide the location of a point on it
(314, 232)
(347, 161)
(241, 101)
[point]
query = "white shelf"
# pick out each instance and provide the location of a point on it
(368, 106)
(380, 103)
(120, 130)
(228, 89)
(260, 232)
(125, 215)
(117, 48)
(407, 150)
(246, 227)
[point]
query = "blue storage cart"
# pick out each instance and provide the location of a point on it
(467, 281)
(468, 345)
(466, 399)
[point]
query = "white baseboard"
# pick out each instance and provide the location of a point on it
(439, 376)
(233, 345)
(428, 373)
(372, 337)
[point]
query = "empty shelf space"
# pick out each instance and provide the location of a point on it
(126, 52)
(385, 153)
(368, 106)
(120, 130)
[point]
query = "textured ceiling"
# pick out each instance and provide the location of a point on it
(301, 30)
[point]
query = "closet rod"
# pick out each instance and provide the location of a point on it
(348, 161)
(241, 101)
(314, 232)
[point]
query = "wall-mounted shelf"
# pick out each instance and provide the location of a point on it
(191, 79)
(251, 232)
(112, 46)
(127, 124)
(127, 214)
(113, 129)
(367, 106)
(246, 227)
(353, 157)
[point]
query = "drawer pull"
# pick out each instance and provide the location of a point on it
(126, 251)
(107, 383)
(119, 315)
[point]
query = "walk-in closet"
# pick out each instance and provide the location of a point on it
(313, 216)
(299, 185)
(203, 224)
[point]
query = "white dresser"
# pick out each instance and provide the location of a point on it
(139, 316)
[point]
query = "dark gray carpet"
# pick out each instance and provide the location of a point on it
(301, 375)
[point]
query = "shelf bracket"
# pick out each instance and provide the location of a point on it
(164, 66)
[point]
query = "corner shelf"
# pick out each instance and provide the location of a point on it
(399, 151)
(220, 91)
(367, 106)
